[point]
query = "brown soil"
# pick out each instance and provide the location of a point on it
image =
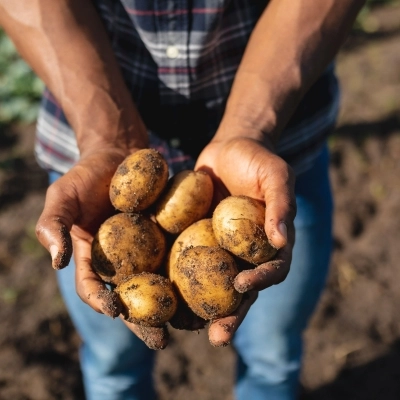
(353, 341)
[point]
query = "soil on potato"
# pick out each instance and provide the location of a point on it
(353, 340)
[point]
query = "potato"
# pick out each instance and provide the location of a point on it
(127, 244)
(149, 299)
(238, 224)
(138, 181)
(198, 234)
(204, 279)
(186, 200)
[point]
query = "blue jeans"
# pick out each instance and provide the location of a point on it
(269, 341)
(118, 366)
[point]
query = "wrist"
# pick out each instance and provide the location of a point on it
(111, 121)
(259, 110)
(237, 124)
(123, 141)
(242, 137)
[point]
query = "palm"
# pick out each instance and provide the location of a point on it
(86, 190)
(243, 167)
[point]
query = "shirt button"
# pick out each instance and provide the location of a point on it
(172, 52)
(175, 142)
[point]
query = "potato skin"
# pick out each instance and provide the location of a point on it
(238, 224)
(204, 279)
(199, 233)
(138, 181)
(127, 244)
(149, 299)
(186, 200)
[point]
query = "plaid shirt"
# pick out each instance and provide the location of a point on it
(178, 59)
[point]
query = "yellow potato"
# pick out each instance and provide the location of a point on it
(198, 234)
(127, 244)
(238, 224)
(149, 299)
(204, 279)
(138, 181)
(186, 200)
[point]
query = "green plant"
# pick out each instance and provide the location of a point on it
(20, 88)
(366, 22)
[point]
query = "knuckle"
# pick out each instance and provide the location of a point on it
(82, 288)
(85, 297)
(39, 229)
(54, 190)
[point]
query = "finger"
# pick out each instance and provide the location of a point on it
(280, 202)
(156, 338)
(221, 331)
(53, 229)
(267, 274)
(92, 290)
(89, 286)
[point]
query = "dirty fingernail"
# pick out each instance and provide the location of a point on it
(111, 305)
(243, 287)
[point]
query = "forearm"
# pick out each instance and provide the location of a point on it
(291, 45)
(64, 41)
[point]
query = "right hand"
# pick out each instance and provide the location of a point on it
(75, 207)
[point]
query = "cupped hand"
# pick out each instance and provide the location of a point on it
(245, 166)
(75, 206)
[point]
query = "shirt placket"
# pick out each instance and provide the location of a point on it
(174, 68)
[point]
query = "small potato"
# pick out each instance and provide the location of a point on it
(204, 279)
(238, 224)
(149, 299)
(127, 244)
(138, 181)
(186, 200)
(198, 234)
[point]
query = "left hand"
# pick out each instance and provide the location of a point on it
(245, 166)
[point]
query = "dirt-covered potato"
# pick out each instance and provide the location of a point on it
(138, 181)
(198, 234)
(204, 279)
(149, 299)
(186, 200)
(127, 244)
(238, 224)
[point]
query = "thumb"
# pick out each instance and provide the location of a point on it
(280, 210)
(54, 225)
(278, 234)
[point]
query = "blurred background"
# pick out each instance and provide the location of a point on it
(353, 341)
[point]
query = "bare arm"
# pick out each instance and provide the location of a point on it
(66, 44)
(291, 45)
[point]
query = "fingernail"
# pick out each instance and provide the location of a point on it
(283, 229)
(53, 251)
(111, 305)
(243, 287)
(54, 254)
